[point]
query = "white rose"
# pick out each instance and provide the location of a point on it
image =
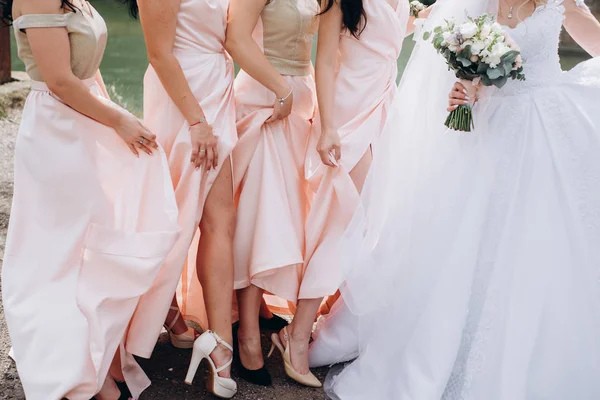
(499, 49)
(468, 30)
(497, 28)
(477, 47)
(486, 29)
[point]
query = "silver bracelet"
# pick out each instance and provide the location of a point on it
(283, 99)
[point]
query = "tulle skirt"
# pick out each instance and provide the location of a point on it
(483, 280)
(90, 227)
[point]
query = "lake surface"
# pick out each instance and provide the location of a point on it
(125, 59)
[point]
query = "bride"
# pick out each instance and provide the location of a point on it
(474, 264)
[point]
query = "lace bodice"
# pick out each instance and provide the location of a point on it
(539, 38)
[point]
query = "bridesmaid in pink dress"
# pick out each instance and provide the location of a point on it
(359, 45)
(271, 40)
(93, 216)
(189, 104)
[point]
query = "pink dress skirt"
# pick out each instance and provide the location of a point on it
(210, 73)
(365, 87)
(90, 226)
(271, 192)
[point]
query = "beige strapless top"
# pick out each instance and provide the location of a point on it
(87, 36)
(288, 30)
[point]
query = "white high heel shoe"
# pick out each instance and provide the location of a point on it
(224, 388)
(183, 340)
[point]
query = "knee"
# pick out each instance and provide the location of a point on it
(219, 220)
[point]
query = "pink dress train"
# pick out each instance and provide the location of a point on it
(271, 193)
(364, 90)
(210, 72)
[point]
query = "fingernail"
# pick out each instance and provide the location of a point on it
(467, 98)
(465, 91)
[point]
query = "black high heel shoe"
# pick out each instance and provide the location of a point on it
(260, 377)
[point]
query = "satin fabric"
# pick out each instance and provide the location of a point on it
(271, 192)
(90, 227)
(365, 86)
(209, 71)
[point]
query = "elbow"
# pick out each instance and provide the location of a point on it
(231, 44)
(156, 57)
(60, 84)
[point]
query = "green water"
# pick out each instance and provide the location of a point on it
(125, 59)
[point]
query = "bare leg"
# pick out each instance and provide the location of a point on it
(249, 300)
(215, 260)
(301, 327)
(180, 327)
(299, 333)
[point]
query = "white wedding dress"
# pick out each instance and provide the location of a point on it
(483, 280)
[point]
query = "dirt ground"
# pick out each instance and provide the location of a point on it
(168, 365)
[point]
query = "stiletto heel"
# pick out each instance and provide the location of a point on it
(183, 340)
(224, 388)
(307, 380)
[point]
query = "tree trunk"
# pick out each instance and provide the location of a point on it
(4, 53)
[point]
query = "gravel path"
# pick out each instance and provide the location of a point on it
(168, 365)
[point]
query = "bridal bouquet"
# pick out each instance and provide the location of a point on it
(416, 7)
(479, 51)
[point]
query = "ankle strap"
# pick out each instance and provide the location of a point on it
(227, 346)
(221, 341)
(174, 320)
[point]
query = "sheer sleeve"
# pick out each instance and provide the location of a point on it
(583, 26)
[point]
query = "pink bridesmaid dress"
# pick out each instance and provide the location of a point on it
(271, 192)
(90, 226)
(365, 86)
(200, 35)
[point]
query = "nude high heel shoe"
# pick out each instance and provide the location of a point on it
(307, 380)
(184, 340)
(224, 388)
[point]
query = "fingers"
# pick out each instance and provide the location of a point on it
(144, 146)
(133, 149)
(276, 116)
(459, 87)
(201, 156)
(337, 153)
(216, 156)
(453, 104)
(326, 158)
(210, 156)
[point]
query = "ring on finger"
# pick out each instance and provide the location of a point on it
(202, 152)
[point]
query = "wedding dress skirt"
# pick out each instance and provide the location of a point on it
(483, 281)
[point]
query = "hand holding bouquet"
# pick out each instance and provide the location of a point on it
(416, 7)
(479, 51)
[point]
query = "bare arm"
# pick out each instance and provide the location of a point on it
(52, 53)
(101, 85)
(330, 27)
(243, 17)
(159, 23)
(583, 27)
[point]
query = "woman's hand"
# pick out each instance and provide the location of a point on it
(282, 109)
(462, 93)
(204, 146)
(136, 135)
(329, 148)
